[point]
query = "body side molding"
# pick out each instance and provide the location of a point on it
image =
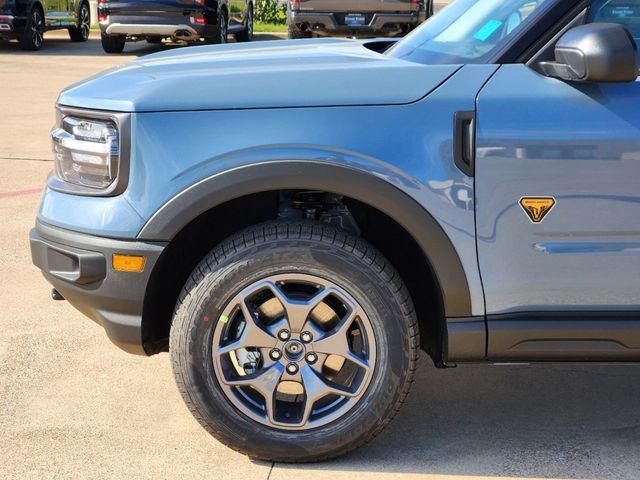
(564, 336)
(317, 175)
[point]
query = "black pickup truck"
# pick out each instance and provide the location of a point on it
(182, 20)
(27, 20)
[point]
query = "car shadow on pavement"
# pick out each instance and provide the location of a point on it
(58, 44)
(542, 421)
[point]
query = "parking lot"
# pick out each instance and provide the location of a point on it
(74, 406)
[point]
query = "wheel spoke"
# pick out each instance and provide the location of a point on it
(316, 388)
(281, 324)
(298, 311)
(253, 334)
(265, 382)
(335, 341)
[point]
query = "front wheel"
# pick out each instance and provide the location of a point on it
(112, 43)
(294, 342)
(80, 33)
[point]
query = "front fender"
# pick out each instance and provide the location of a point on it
(295, 167)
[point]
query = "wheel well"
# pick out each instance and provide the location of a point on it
(202, 234)
(39, 6)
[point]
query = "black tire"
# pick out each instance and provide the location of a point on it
(294, 33)
(112, 43)
(32, 38)
(221, 31)
(313, 249)
(246, 35)
(80, 33)
(154, 40)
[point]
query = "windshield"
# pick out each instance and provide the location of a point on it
(468, 31)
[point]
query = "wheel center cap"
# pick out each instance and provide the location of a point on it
(294, 349)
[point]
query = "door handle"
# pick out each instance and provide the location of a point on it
(464, 135)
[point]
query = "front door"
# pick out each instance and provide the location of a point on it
(558, 195)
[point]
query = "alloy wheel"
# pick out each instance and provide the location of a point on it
(37, 28)
(294, 351)
(223, 28)
(84, 22)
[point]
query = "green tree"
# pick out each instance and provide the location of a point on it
(270, 11)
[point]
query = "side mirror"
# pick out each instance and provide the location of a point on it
(597, 52)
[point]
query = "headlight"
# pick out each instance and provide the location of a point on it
(89, 152)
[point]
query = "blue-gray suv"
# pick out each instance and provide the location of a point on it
(293, 221)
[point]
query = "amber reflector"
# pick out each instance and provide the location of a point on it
(128, 263)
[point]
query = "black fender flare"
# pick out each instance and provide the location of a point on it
(360, 185)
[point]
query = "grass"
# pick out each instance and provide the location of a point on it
(269, 27)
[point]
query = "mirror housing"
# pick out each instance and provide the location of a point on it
(596, 52)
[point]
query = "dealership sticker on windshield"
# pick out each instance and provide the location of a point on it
(487, 30)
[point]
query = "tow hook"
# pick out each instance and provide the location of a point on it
(56, 295)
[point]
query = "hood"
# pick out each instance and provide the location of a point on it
(297, 73)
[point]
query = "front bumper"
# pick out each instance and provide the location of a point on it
(377, 23)
(79, 267)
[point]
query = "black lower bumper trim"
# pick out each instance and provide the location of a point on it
(79, 268)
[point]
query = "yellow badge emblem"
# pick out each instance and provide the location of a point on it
(537, 208)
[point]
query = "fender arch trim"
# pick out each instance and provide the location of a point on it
(363, 186)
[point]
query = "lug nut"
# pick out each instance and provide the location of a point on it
(292, 368)
(284, 334)
(275, 354)
(311, 357)
(306, 337)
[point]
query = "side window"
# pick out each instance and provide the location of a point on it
(625, 12)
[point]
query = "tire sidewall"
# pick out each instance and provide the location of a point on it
(249, 26)
(346, 270)
(223, 25)
(112, 44)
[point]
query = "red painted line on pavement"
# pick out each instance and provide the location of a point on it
(18, 193)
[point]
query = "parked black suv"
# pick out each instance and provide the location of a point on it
(186, 20)
(27, 20)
